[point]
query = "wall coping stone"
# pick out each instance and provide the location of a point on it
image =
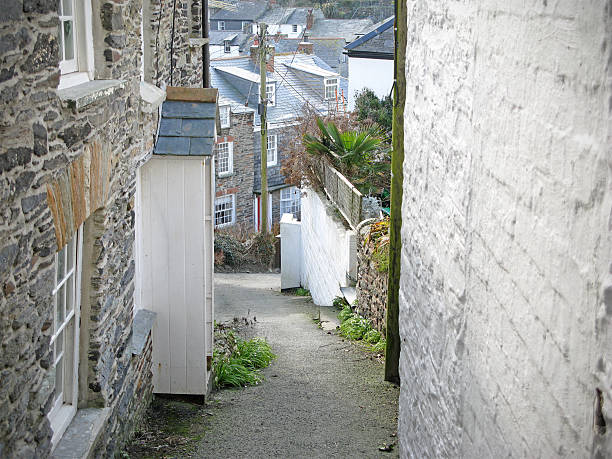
(82, 434)
(194, 42)
(80, 96)
(152, 96)
(141, 327)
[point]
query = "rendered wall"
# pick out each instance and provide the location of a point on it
(505, 288)
(326, 244)
(362, 74)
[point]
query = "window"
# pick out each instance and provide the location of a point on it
(225, 210)
(290, 200)
(227, 48)
(75, 42)
(246, 27)
(224, 114)
(65, 338)
(221, 25)
(294, 28)
(270, 94)
(331, 88)
(272, 151)
(225, 158)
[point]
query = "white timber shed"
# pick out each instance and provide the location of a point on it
(176, 193)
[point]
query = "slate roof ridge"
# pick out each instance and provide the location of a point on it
(377, 30)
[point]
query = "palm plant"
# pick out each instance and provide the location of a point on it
(359, 155)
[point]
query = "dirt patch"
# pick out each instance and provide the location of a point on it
(172, 427)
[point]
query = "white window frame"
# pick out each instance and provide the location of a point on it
(290, 201)
(270, 94)
(331, 83)
(230, 159)
(225, 116)
(247, 23)
(220, 25)
(272, 150)
(80, 69)
(66, 331)
(227, 46)
(294, 28)
(222, 200)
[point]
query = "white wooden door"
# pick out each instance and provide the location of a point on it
(176, 271)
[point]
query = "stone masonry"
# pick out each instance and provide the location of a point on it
(505, 297)
(240, 182)
(371, 283)
(61, 166)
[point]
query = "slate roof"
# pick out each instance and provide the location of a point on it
(292, 90)
(279, 15)
(349, 29)
(328, 49)
(378, 40)
(187, 128)
(245, 11)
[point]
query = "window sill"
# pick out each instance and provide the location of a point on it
(195, 42)
(225, 174)
(82, 434)
(151, 96)
(141, 327)
(80, 96)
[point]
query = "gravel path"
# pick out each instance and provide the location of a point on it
(322, 397)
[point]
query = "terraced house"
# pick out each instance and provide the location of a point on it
(81, 83)
(293, 80)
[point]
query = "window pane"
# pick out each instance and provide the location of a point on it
(68, 359)
(60, 302)
(61, 42)
(61, 265)
(59, 345)
(68, 40)
(70, 255)
(69, 287)
(59, 378)
(67, 7)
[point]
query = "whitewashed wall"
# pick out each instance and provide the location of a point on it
(217, 51)
(327, 245)
(291, 252)
(506, 297)
(375, 74)
(285, 29)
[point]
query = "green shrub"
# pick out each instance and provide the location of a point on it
(380, 347)
(346, 313)
(254, 354)
(302, 291)
(354, 327)
(372, 336)
(339, 302)
(239, 364)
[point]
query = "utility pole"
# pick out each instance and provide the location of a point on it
(263, 108)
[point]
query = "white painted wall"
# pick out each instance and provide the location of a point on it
(176, 274)
(217, 51)
(506, 291)
(326, 249)
(376, 74)
(291, 252)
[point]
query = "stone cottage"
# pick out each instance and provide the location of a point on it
(506, 288)
(292, 81)
(80, 86)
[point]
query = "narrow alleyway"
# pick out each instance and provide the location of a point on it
(323, 397)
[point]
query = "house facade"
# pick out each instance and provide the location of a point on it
(292, 81)
(374, 50)
(79, 113)
(240, 18)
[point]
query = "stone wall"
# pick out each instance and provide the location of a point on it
(327, 244)
(505, 287)
(371, 283)
(59, 167)
(240, 182)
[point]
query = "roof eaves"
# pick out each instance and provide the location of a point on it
(371, 34)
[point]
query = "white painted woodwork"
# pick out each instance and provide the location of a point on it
(176, 274)
(291, 251)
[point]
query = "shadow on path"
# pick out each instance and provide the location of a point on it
(322, 397)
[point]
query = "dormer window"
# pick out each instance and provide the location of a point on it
(221, 25)
(270, 94)
(227, 48)
(331, 88)
(294, 28)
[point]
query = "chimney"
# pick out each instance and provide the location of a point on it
(305, 47)
(254, 54)
(309, 19)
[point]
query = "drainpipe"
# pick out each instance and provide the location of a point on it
(392, 352)
(206, 47)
